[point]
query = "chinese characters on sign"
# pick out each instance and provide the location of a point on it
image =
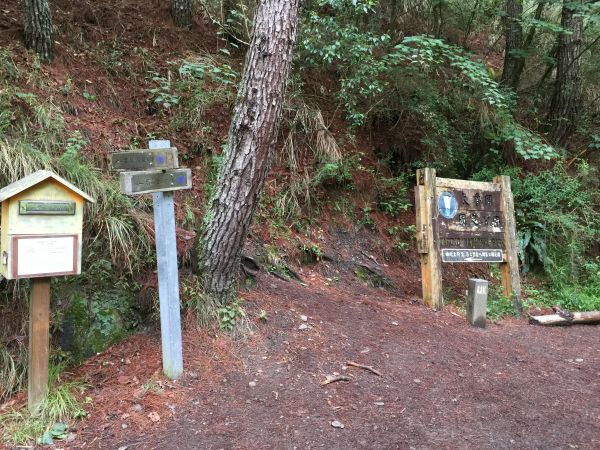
(465, 221)
(470, 219)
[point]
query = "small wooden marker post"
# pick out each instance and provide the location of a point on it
(477, 302)
(157, 171)
(41, 235)
(462, 221)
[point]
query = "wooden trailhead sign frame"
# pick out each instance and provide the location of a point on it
(462, 221)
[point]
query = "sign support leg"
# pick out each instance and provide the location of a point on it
(39, 324)
(509, 269)
(427, 241)
(168, 283)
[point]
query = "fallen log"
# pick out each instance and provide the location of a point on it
(555, 319)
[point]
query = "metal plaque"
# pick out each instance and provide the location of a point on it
(155, 181)
(159, 159)
(453, 255)
(46, 207)
(470, 224)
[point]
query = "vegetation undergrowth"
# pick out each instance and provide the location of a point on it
(63, 405)
(33, 136)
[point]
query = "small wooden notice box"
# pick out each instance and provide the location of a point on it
(462, 221)
(41, 227)
(40, 237)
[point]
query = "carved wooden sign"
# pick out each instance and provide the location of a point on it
(461, 221)
(470, 225)
(146, 159)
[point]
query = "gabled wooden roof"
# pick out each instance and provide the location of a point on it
(35, 178)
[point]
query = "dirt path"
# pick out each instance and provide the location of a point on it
(444, 384)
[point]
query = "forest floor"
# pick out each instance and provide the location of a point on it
(443, 383)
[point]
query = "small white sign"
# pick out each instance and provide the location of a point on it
(46, 255)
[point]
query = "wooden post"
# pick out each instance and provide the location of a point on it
(168, 278)
(427, 242)
(39, 324)
(511, 281)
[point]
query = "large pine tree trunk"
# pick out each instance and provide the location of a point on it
(513, 32)
(252, 139)
(567, 87)
(181, 12)
(38, 28)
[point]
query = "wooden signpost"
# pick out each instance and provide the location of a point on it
(460, 221)
(157, 171)
(41, 235)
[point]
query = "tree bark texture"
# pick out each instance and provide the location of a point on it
(251, 143)
(527, 45)
(513, 33)
(38, 28)
(567, 87)
(181, 12)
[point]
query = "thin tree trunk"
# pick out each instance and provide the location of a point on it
(38, 28)
(252, 139)
(181, 12)
(513, 32)
(438, 6)
(520, 66)
(393, 14)
(567, 87)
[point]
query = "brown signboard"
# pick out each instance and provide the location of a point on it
(469, 219)
(463, 221)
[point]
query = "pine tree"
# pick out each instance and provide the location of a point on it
(38, 28)
(251, 143)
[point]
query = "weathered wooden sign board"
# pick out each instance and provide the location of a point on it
(461, 221)
(156, 170)
(150, 159)
(147, 181)
(40, 237)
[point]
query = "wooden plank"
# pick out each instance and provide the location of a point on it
(39, 324)
(147, 181)
(422, 242)
(431, 264)
(168, 279)
(148, 159)
(452, 183)
(511, 281)
(555, 319)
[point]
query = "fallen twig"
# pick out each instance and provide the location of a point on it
(333, 378)
(362, 366)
